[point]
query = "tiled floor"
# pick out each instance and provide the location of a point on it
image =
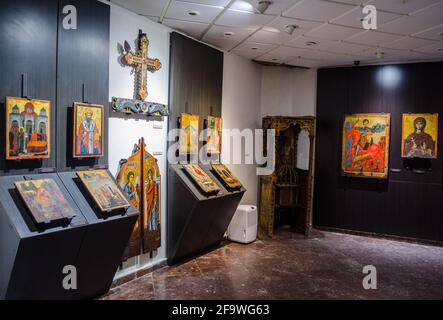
(328, 266)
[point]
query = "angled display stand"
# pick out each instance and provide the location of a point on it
(33, 257)
(103, 243)
(197, 222)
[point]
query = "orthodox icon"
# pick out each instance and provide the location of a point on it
(88, 131)
(189, 134)
(420, 136)
(365, 150)
(226, 176)
(205, 183)
(103, 190)
(139, 177)
(214, 135)
(45, 200)
(28, 129)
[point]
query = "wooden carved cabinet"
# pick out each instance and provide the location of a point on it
(285, 196)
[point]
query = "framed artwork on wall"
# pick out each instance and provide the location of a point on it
(189, 125)
(365, 150)
(419, 135)
(226, 176)
(89, 138)
(45, 200)
(103, 190)
(214, 135)
(204, 182)
(28, 129)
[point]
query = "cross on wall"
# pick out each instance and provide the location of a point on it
(142, 64)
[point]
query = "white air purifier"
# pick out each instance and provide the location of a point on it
(243, 227)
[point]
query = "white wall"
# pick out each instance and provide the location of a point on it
(288, 92)
(124, 133)
(241, 110)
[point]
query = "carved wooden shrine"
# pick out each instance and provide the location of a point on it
(286, 194)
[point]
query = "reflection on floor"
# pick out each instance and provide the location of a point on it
(328, 266)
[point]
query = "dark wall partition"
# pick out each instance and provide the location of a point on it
(28, 65)
(196, 82)
(42, 60)
(407, 204)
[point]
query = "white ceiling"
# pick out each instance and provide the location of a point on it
(408, 30)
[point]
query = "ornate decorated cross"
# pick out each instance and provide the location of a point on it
(142, 64)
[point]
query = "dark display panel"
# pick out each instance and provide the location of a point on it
(407, 203)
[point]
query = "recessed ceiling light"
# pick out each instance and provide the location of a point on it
(229, 34)
(254, 48)
(311, 43)
(193, 13)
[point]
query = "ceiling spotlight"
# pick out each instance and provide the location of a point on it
(229, 34)
(193, 13)
(263, 6)
(379, 55)
(311, 43)
(291, 28)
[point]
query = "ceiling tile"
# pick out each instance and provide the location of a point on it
(391, 56)
(276, 8)
(408, 43)
(225, 44)
(328, 56)
(255, 47)
(301, 42)
(143, 7)
(402, 6)
(283, 54)
(218, 32)
(194, 29)
(270, 37)
(432, 34)
(301, 62)
(303, 26)
(217, 3)
(332, 32)
(435, 48)
(246, 53)
(180, 10)
(346, 48)
(356, 2)
(242, 19)
(387, 53)
(318, 10)
(354, 18)
(373, 38)
(423, 20)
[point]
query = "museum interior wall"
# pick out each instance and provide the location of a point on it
(404, 203)
(288, 91)
(241, 100)
(124, 132)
